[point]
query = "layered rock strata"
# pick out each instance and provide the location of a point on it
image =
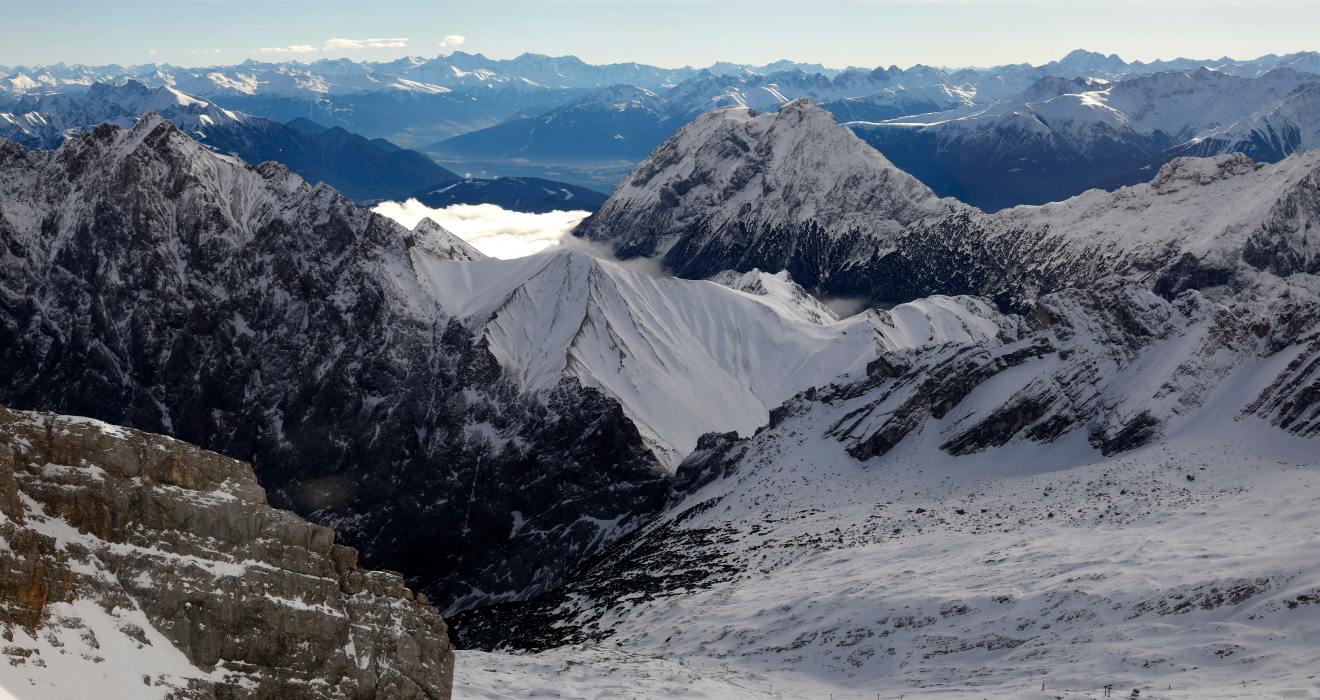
(147, 567)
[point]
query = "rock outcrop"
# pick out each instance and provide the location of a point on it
(148, 282)
(737, 190)
(795, 191)
(148, 567)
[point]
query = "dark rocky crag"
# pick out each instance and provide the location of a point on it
(113, 538)
(736, 190)
(1116, 365)
(147, 282)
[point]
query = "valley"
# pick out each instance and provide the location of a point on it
(511, 378)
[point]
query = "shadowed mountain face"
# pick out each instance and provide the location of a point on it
(240, 309)
(621, 123)
(363, 170)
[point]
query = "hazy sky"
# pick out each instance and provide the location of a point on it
(666, 33)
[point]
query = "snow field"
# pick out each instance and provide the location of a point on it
(1185, 569)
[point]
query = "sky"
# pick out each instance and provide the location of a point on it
(837, 33)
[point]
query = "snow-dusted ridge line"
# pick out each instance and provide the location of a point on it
(1091, 495)
(683, 357)
(291, 328)
(302, 323)
(737, 190)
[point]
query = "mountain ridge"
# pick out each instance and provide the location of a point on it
(946, 247)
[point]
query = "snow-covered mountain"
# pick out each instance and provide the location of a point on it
(994, 139)
(796, 191)
(679, 356)
(1114, 489)
(416, 101)
(243, 310)
(361, 169)
(457, 71)
(45, 121)
(626, 122)
(394, 384)
(1061, 137)
(412, 101)
(1271, 133)
(740, 190)
(1081, 447)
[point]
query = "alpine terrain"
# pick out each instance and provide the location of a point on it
(943, 383)
(1084, 453)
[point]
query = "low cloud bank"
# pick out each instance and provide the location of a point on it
(501, 233)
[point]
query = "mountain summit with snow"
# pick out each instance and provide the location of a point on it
(797, 191)
(1066, 446)
(789, 190)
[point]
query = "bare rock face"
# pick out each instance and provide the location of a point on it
(136, 565)
(148, 282)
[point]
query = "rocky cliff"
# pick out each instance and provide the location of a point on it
(796, 191)
(142, 566)
(790, 190)
(148, 282)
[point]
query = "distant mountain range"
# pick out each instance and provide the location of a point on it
(1077, 448)
(622, 122)
(364, 170)
(1061, 137)
(361, 169)
(993, 137)
(411, 101)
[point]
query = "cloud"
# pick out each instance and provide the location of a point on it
(157, 52)
(287, 49)
(452, 40)
(206, 51)
(648, 266)
(493, 230)
(337, 44)
(501, 233)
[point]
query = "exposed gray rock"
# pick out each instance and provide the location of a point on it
(795, 191)
(149, 282)
(112, 539)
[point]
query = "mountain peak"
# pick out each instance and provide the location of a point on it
(1201, 171)
(766, 180)
(1081, 59)
(432, 238)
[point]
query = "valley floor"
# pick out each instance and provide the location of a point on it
(928, 578)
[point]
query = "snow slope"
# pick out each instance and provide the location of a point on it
(682, 357)
(1183, 563)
